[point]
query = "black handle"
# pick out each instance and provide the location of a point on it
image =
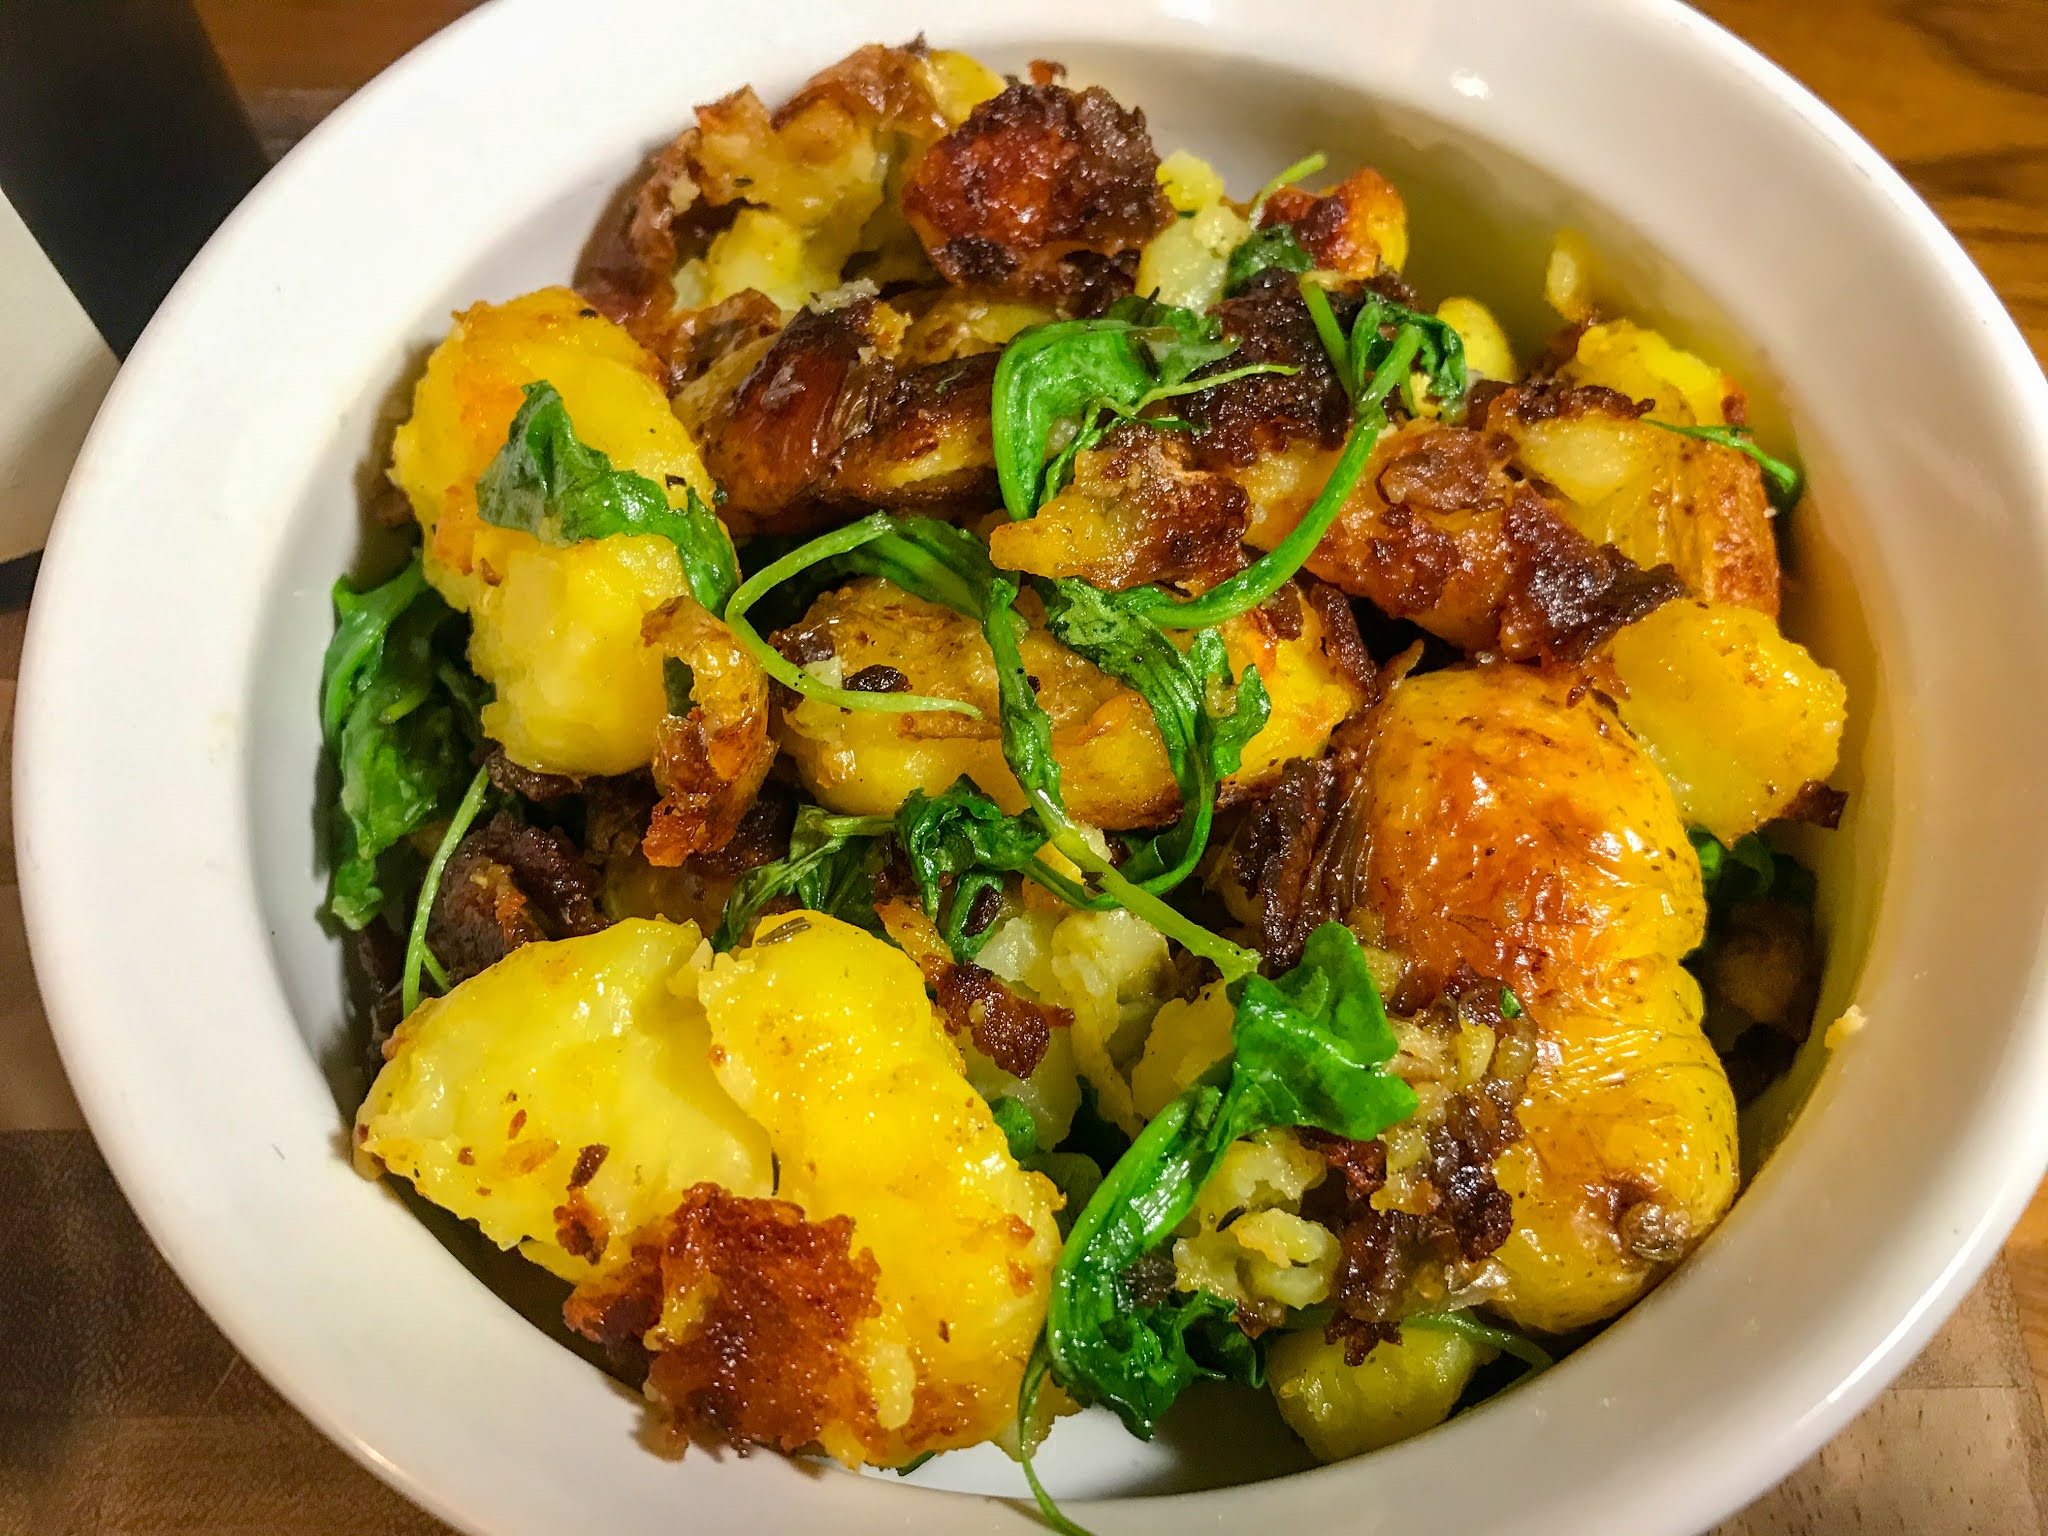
(122, 146)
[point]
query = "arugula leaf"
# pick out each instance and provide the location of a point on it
(949, 835)
(1060, 387)
(423, 908)
(548, 482)
(839, 543)
(1017, 1126)
(1049, 374)
(1310, 1048)
(1386, 344)
(1204, 741)
(1074, 1174)
(1749, 871)
(1274, 246)
(398, 712)
(830, 868)
(1783, 484)
(949, 566)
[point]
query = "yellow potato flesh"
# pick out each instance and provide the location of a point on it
(1114, 770)
(492, 1095)
(825, 1036)
(557, 629)
(1519, 832)
(1739, 717)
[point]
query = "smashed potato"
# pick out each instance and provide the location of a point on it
(1399, 1390)
(1740, 718)
(1114, 769)
(1517, 834)
(1658, 497)
(557, 629)
(564, 1097)
(824, 1035)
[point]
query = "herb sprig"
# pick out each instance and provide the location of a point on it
(1783, 484)
(1387, 343)
(1310, 1048)
(398, 710)
(548, 482)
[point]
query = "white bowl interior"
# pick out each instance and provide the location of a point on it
(1917, 564)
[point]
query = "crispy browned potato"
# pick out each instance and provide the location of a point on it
(1113, 766)
(1658, 497)
(1516, 832)
(1134, 513)
(778, 202)
(826, 419)
(1359, 227)
(1438, 532)
(1043, 192)
(1741, 719)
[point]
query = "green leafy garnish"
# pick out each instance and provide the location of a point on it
(398, 711)
(423, 909)
(949, 566)
(1060, 387)
(1749, 871)
(1782, 483)
(1386, 345)
(1510, 1005)
(958, 834)
(1205, 716)
(1074, 1174)
(830, 868)
(1515, 1346)
(1310, 1048)
(1274, 246)
(548, 482)
(839, 542)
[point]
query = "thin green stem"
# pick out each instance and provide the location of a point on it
(838, 542)
(1027, 1426)
(1514, 1345)
(416, 942)
(1308, 165)
(1274, 569)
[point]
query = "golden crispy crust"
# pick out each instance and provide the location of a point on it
(1135, 513)
(710, 763)
(776, 1302)
(825, 421)
(1438, 531)
(1043, 192)
(1012, 1031)
(1337, 227)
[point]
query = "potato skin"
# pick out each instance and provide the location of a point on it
(1114, 769)
(1397, 1392)
(557, 630)
(1517, 832)
(490, 1097)
(1740, 718)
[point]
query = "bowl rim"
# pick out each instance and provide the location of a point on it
(60, 929)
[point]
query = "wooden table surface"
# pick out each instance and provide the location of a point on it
(123, 1410)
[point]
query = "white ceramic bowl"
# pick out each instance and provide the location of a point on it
(168, 741)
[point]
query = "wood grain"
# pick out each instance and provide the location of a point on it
(122, 1409)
